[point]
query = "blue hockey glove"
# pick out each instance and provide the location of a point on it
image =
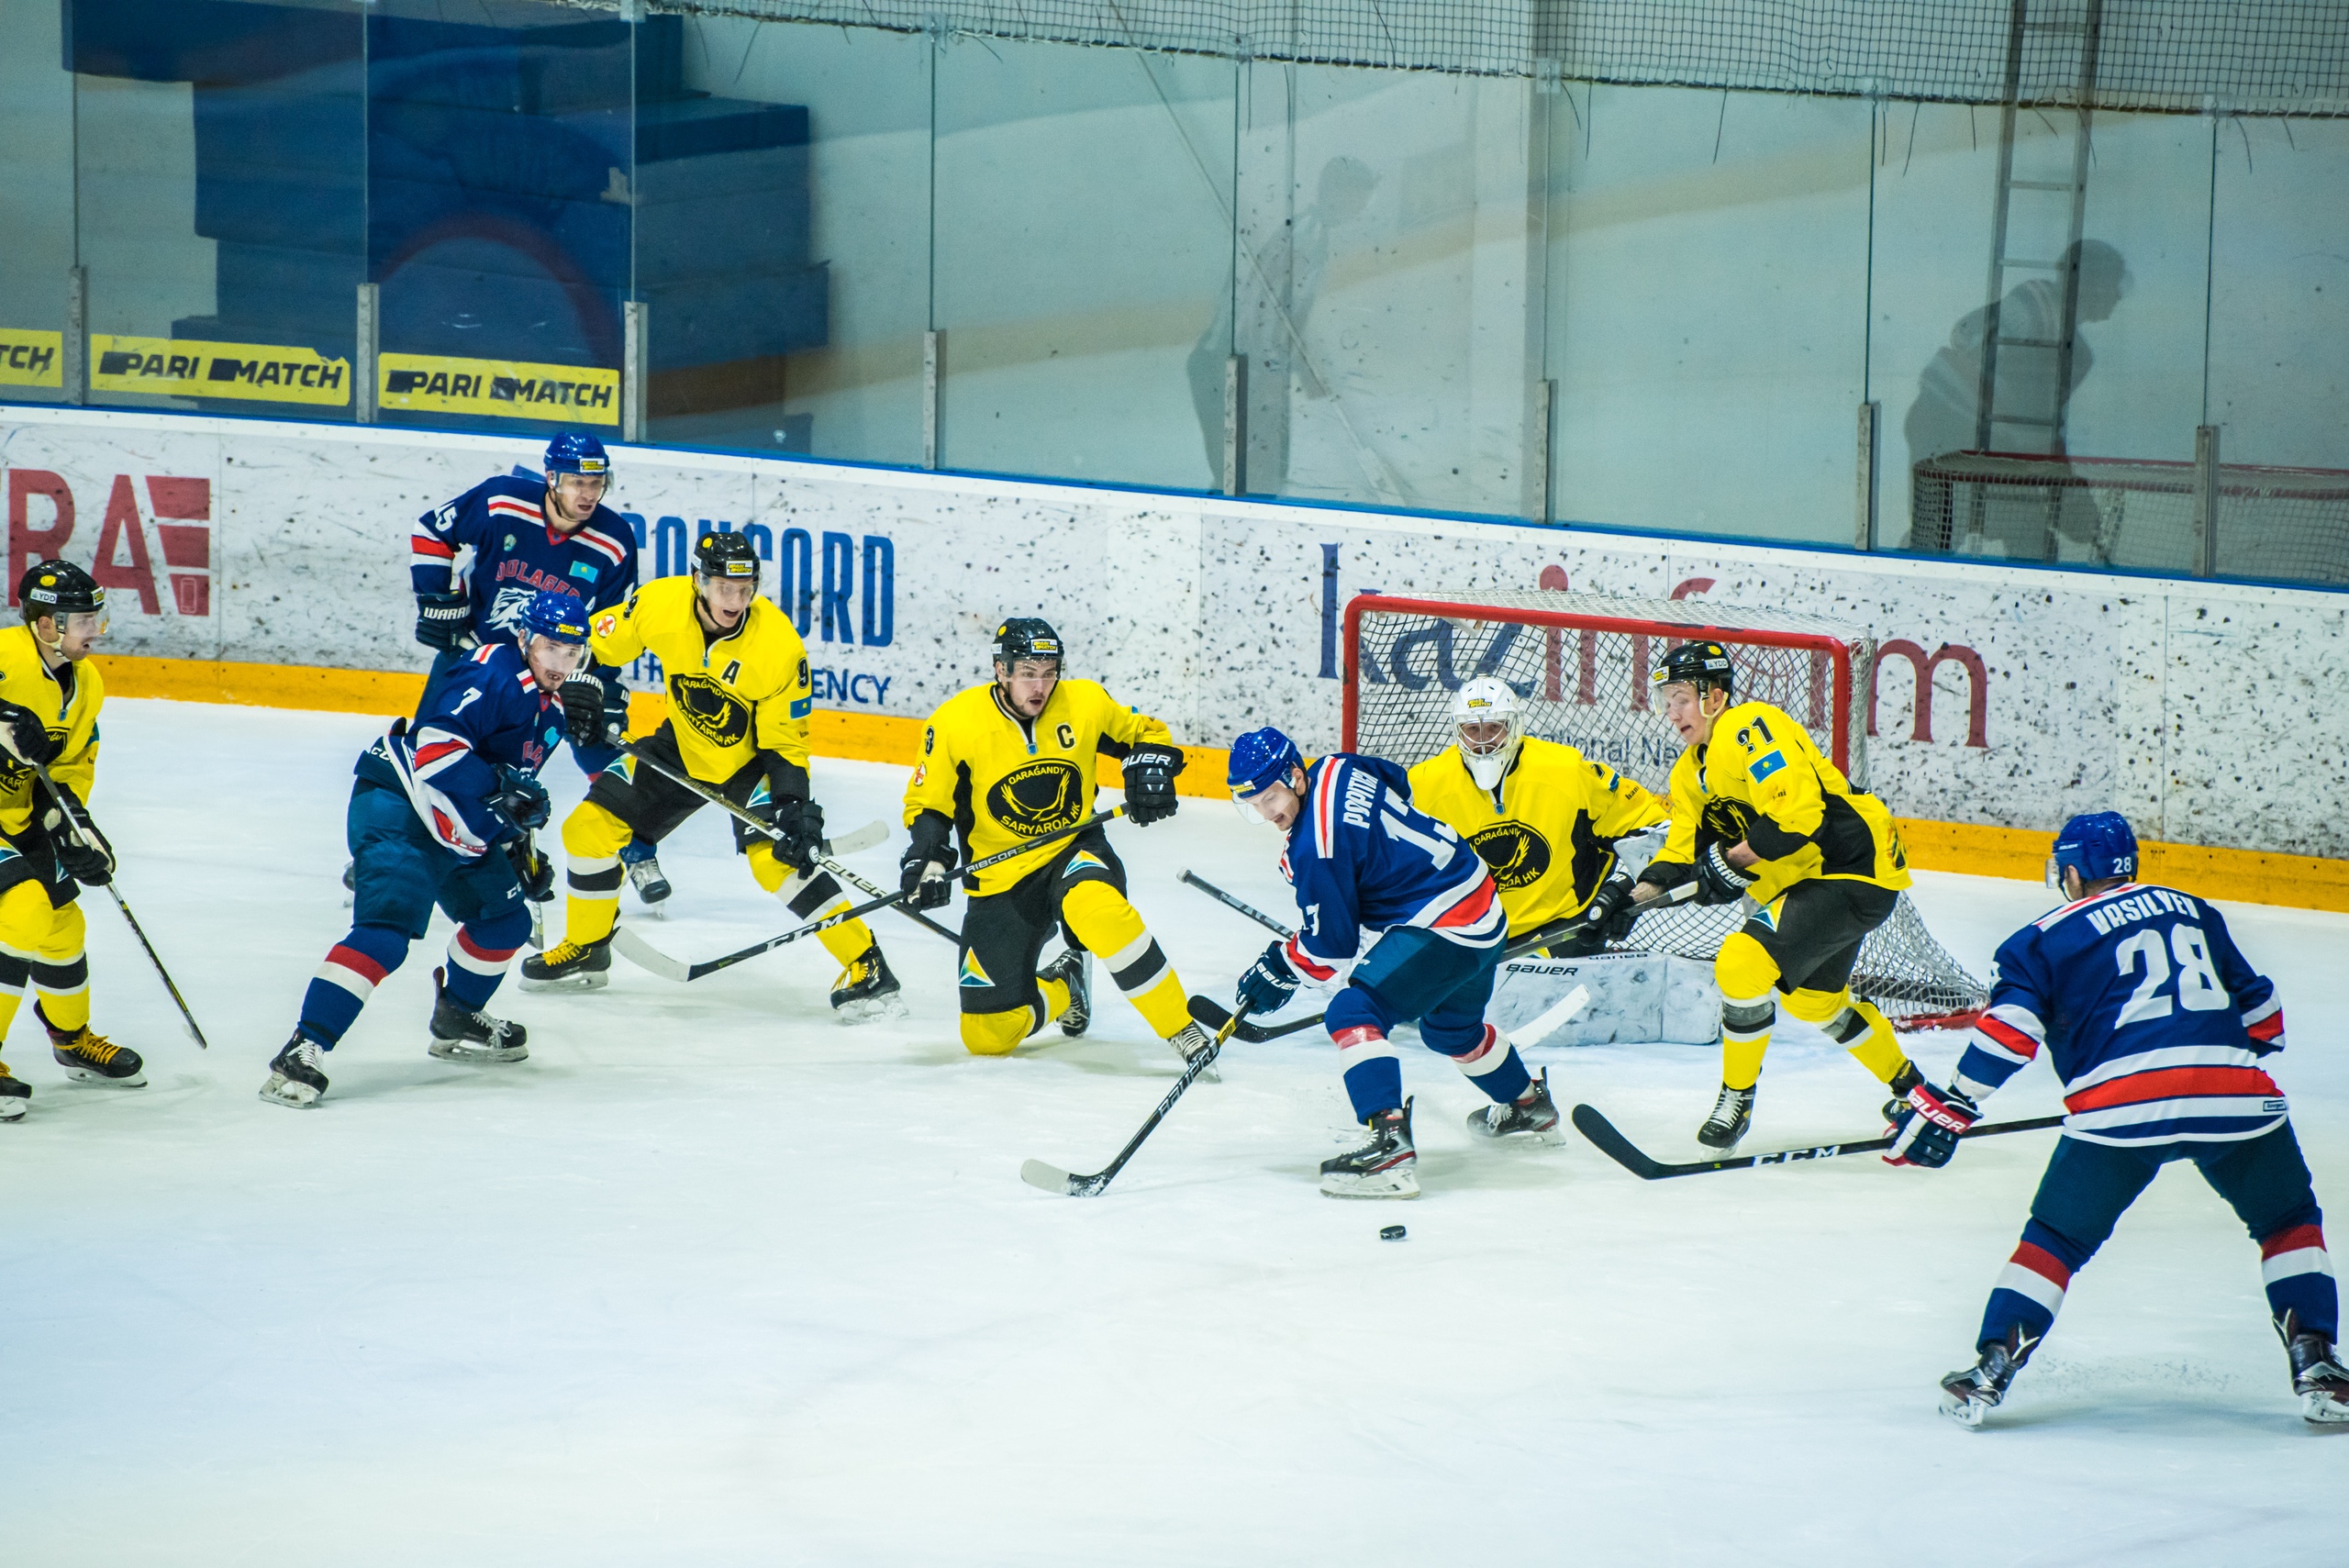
(534, 871)
(1718, 882)
(1927, 1132)
(443, 621)
(521, 798)
(1268, 982)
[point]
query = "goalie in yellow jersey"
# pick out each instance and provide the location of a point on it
(1014, 759)
(1757, 811)
(1543, 817)
(739, 703)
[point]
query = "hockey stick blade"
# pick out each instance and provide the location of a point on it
(874, 832)
(645, 956)
(1619, 1149)
(1053, 1179)
(1213, 1015)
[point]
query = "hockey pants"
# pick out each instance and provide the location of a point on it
(1413, 974)
(1802, 947)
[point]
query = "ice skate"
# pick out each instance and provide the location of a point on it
(1387, 1166)
(568, 966)
(1531, 1114)
(1072, 971)
(1899, 1085)
(866, 990)
(646, 876)
(1973, 1393)
(90, 1058)
(294, 1076)
(1732, 1114)
(16, 1095)
(2317, 1377)
(460, 1034)
(1188, 1043)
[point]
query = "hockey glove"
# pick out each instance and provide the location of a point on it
(799, 833)
(1269, 982)
(534, 871)
(521, 798)
(442, 620)
(1150, 784)
(26, 739)
(1929, 1128)
(1610, 917)
(82, 852)
(1718, 882)
(583, 710)
(922, 875)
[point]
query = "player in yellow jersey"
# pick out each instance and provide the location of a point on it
(1014, 759)
(739, 703)
(1543, 817)
(1757, 811)
(49, 696)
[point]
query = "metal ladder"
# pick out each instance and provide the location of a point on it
(2029, 427)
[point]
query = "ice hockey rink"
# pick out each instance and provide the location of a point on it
(712, 1280)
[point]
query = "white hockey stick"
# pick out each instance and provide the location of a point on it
(1553, 1019)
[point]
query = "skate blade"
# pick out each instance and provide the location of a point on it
(84, 1075)
(587, 980)
(1966, 1413)
(466, 1051)
(2322, 1410)
(280, 1091)
(13, 1110)
(870, 1009)
(1384, 1185)
(1539, 1136)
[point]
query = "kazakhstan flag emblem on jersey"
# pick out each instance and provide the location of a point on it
(973, 975)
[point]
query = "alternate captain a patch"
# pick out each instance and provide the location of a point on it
(974, 975)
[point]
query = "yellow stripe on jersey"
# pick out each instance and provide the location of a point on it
(730, 697)
(1807, 821)
(1550, 842)
(73, 723)
(1002, 781)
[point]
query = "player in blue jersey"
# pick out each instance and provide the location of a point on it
(527, 536)
(1399, 915)
(441, 812)
(2160, 1031)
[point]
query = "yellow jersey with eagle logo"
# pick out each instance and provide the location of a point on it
(1548, 839)
(730, 697)
(1002, 779)
(67, 701)
(1762, 773)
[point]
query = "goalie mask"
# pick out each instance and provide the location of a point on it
(1485, 727)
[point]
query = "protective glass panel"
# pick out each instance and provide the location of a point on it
(787, 263)
(36, 202)
(1083, 260)
(1708, 258)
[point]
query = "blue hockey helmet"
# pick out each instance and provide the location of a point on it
(1261, 759)
(575, 451)
(558, 617)
(2097, 844)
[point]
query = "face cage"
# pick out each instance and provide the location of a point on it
(1499, 746)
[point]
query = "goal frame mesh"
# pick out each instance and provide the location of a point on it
(1394, 705)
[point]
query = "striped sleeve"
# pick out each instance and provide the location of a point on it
(2012, 1030)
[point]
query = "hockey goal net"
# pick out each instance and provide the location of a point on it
(1580, 663)
(2287, 523)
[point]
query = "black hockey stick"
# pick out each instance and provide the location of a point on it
(644, 954)
(1619, 1149)
(1220, 896)
(695, 786)
(1211, 1014)
(1053, 1179)
(77, 817)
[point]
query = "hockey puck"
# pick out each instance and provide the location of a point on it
(1390, 1233)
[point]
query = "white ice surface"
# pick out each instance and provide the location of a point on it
(711, 1279)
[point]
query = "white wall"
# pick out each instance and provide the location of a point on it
(2203, 711)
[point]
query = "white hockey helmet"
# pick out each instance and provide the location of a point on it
(1488, 707)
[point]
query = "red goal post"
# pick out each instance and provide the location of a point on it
(1581, 665)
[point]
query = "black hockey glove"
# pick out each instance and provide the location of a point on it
(1930, 1125)
(82, 852)
(1150, 784)
(26, 737)
(1610, 917)
(1268, 982)
(923, 872)
(442, 620)
(1718, 882)
(534, 871)
(583, 720)
(799, 833)
(521, 798)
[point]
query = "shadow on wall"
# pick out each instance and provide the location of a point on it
(2027, 400)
